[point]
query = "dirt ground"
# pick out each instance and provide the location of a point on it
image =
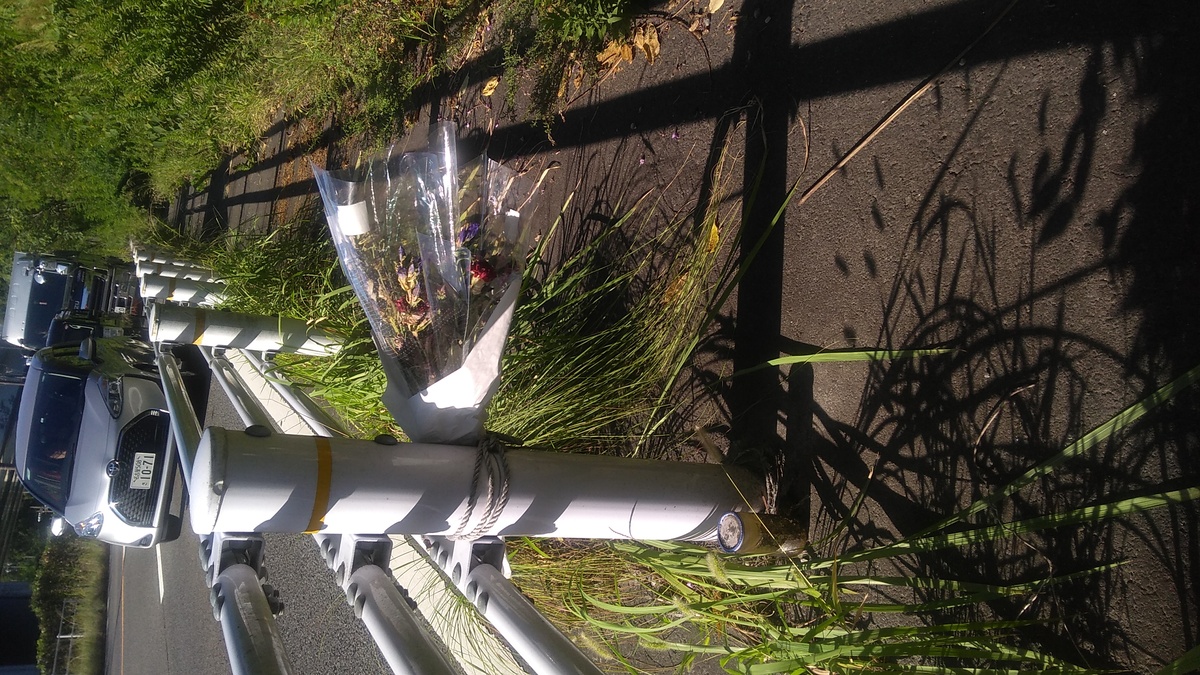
(1031, 208)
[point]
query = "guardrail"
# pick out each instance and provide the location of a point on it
(66, 631)
(441, 510)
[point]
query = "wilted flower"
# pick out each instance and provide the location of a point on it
(431, 272)
(406, 306)
(409, 278)
(413, 312)
(481, 270)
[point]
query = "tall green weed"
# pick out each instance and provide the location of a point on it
(842, 607)
(104, 104)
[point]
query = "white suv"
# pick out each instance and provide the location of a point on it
(94, 440)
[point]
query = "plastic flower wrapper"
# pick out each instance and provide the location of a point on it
(435, 253)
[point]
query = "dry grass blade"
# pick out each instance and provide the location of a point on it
(903, 105)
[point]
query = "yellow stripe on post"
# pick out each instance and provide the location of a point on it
(198, 334)
(324, 478)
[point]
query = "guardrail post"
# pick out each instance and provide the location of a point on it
(313, 415)
(244, 604)
(177, 269)
(185, 425)
(268, 482)
(248, 408)
(478, 568)
(155, 287)
(252, 639)
(211, 328)
(378, 601)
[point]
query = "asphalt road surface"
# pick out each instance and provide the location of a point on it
(160, 619)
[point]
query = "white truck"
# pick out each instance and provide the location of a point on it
(67, 286)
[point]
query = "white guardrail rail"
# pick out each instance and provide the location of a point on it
(293, 452)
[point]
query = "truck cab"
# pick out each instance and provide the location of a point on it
(44, 286)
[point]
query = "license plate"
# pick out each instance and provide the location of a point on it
(143, 471)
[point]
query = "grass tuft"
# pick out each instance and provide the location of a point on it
(819, 612)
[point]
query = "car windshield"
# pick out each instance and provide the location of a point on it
(52, 437)
(45, 300)
(79, 290)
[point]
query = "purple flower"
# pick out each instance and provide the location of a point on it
(468, 233)
(408, 278)
(404, 260)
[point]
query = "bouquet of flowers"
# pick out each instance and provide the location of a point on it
(435, 253)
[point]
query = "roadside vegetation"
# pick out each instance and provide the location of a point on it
(69, 598)
(108, 109)
(599, 340)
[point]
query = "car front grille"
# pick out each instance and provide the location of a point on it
(147, 433)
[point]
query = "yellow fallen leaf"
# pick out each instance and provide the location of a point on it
(649, 43)
(489, 87)
(674, 289)
(639, 36)
(714, 238)
(614, 54)
(714, 5)
(611, 54)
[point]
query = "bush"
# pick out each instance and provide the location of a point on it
(72, 576)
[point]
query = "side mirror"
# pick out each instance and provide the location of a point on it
(58, 526)
(39, 278)
(87, 349)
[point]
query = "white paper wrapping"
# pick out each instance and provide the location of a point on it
(436, 266)
(453, 410)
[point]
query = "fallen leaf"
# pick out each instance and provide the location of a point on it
(714, 238)
(489, 87)
(714, 5)
(614, 54)
(611, 53)
(674, 289)
(649, 42)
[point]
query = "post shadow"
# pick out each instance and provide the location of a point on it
(755, 399)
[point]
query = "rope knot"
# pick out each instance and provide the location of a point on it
(491, 467)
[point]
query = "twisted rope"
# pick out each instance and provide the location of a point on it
(491, 465)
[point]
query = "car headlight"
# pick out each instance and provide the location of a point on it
(113, 395)
(91, 526)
